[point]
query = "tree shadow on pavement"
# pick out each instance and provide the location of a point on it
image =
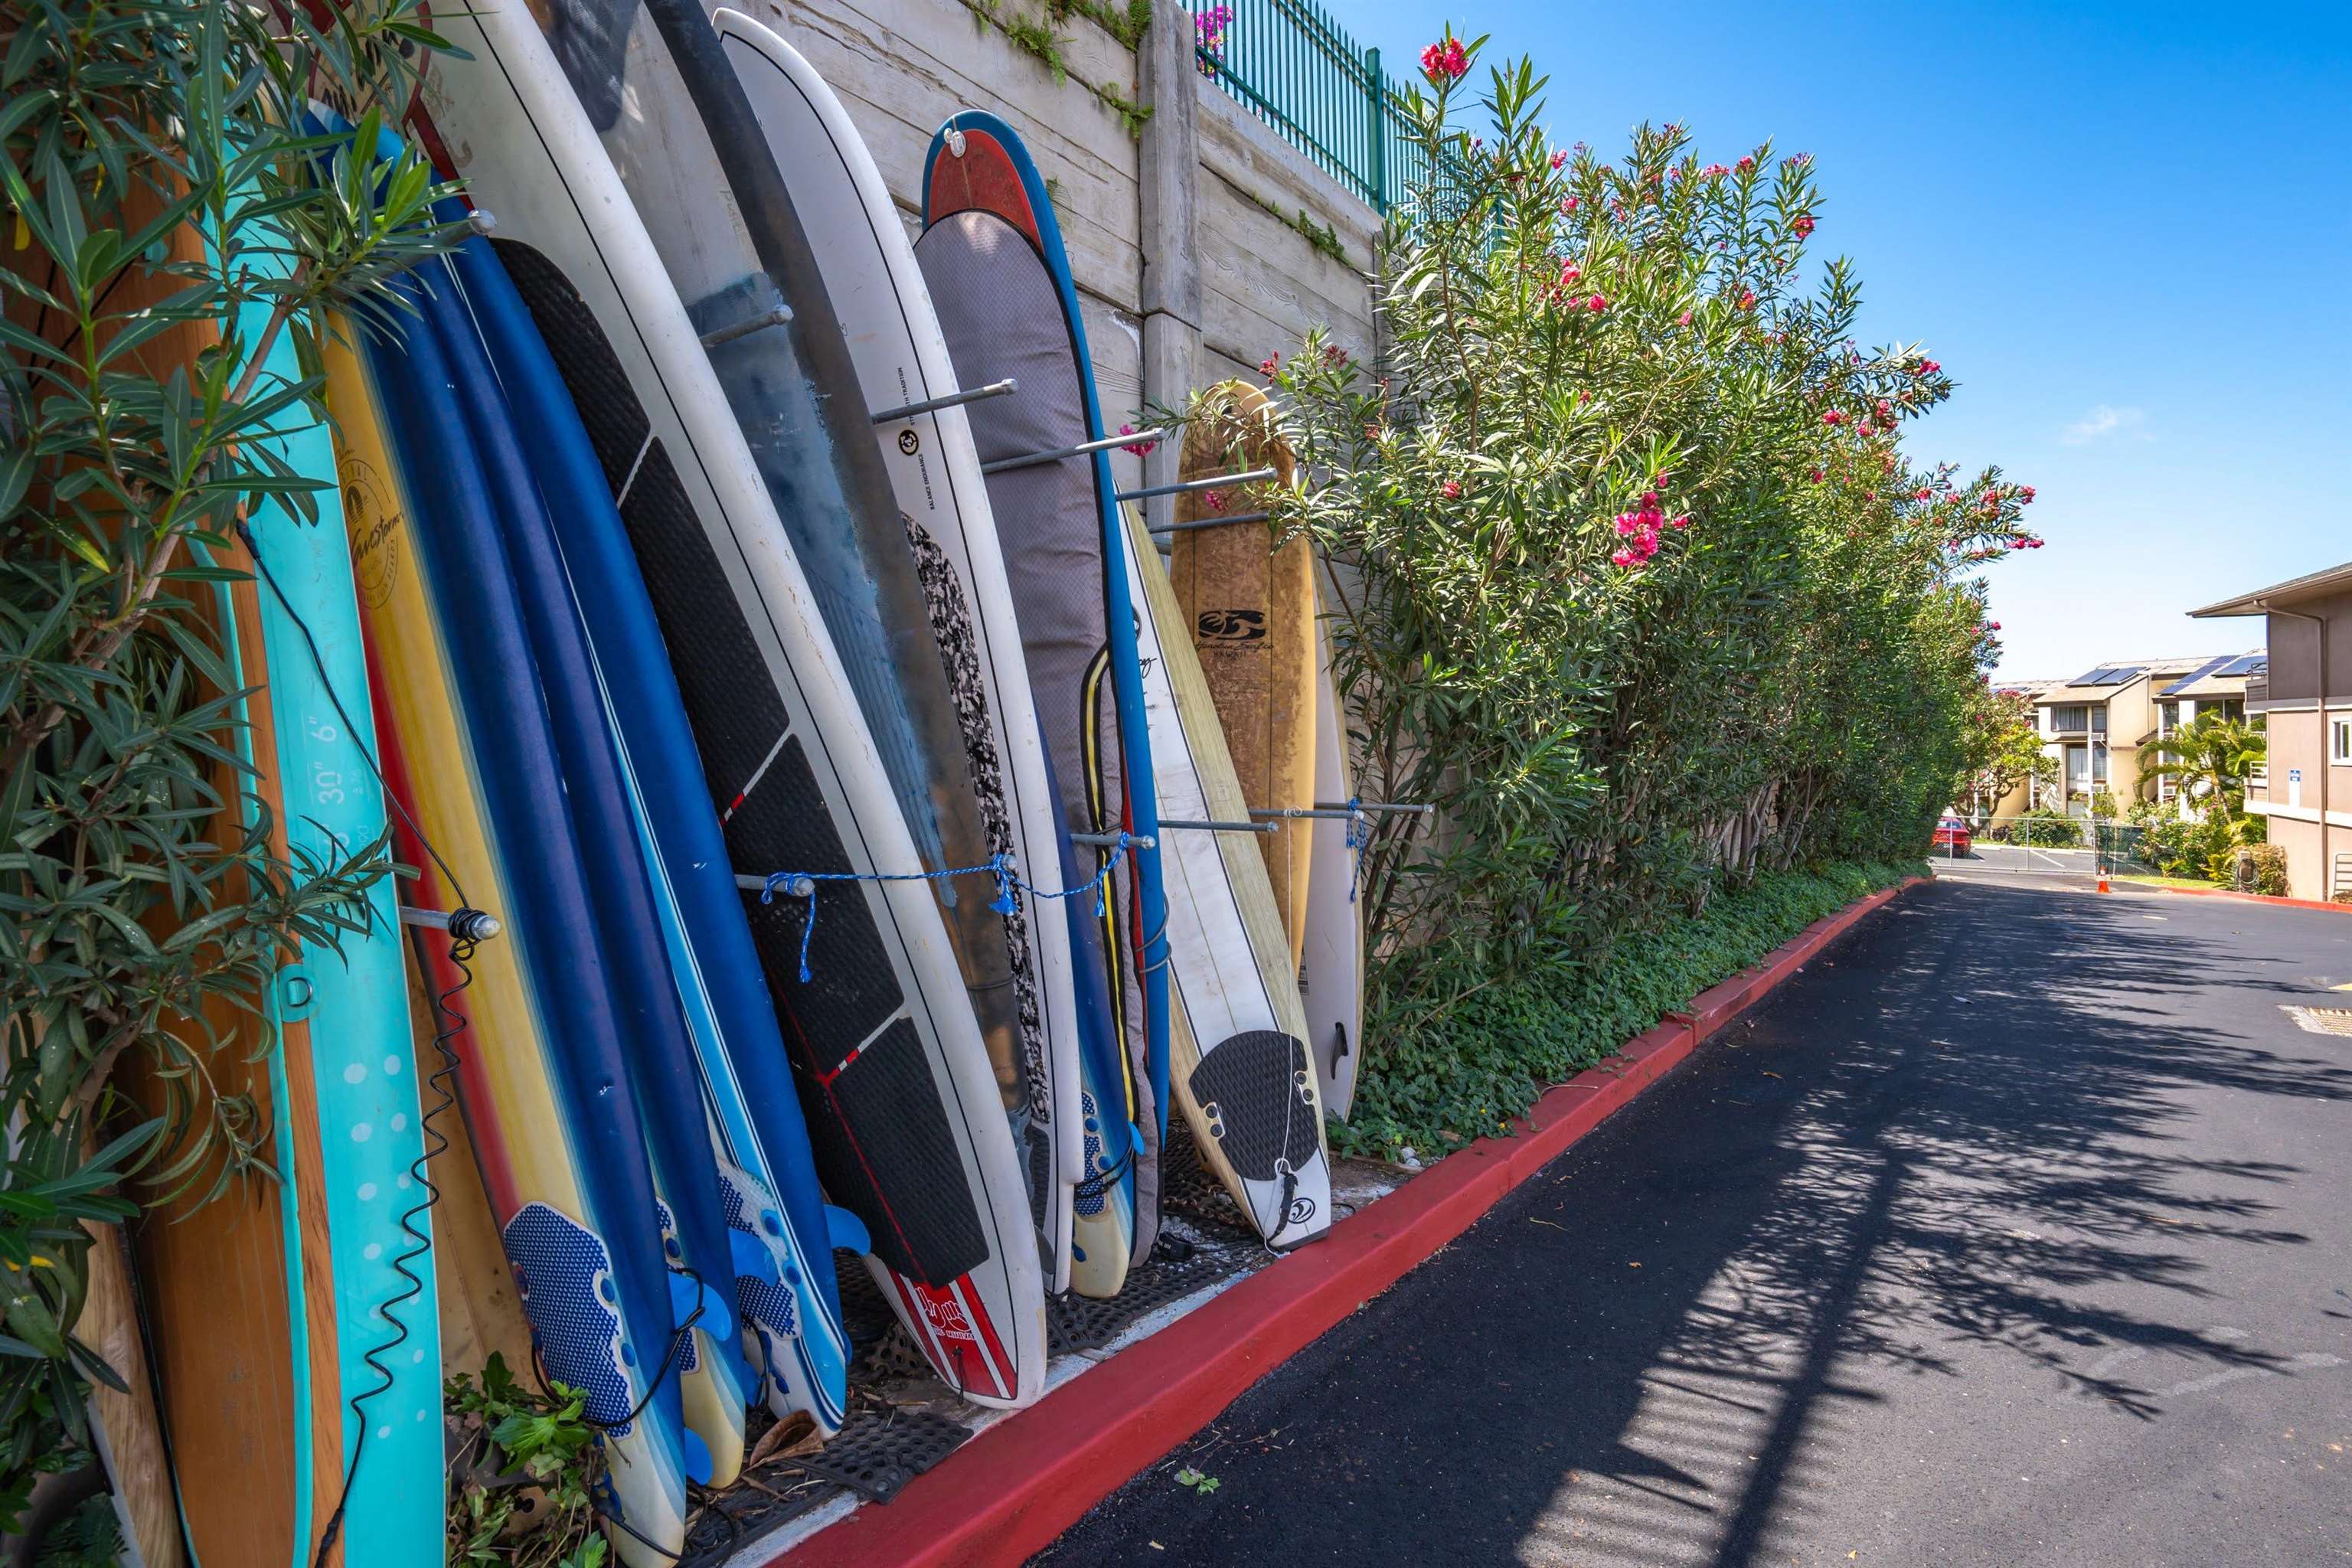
(1965, 1129)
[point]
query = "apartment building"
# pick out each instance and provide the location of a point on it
(2095, 725)
(2305, 697)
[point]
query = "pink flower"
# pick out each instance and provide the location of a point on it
(1681, 522)
(1658, 481)
(1715, 171)
(1864, 427)
(1141, 449)
(1886, 413)
(1213, 500)
(1557, 160)
(1816, 475)
(2025, 496)
(1649, 500)
(1803, 226)
(1627, 522)
(1992, 626)
(1923, 493)
(1596, 304)
(1270, 366)
(1833, 417)
(1870, 495)
(1568, 206)
(1747, 299)
(1928, 367)
(1569, 273)
(1745, 165)
(1335, 354)
(1624, 558)
(1445, 61)
(1683, 319)
(1451, 490)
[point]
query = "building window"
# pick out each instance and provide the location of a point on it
(2168, 717)
(2098, 765)
(2339, 740)
(2065, 719)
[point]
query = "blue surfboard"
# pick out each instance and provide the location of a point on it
(788, 1298)
(594, 1285)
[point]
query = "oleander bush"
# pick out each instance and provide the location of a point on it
(161, 191)
(1637, 584)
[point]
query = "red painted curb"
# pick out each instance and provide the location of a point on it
(2244, 898)
(1007, 1493)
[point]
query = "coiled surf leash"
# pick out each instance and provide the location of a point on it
(467, 927)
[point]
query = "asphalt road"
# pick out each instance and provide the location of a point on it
(2016, 1229)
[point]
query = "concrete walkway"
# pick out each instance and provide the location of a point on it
(2016, 1230)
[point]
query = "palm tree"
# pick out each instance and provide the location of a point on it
(2212, 754)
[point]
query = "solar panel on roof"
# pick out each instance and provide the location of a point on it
(2117, 676)
(2246, 664)
(2090, 679)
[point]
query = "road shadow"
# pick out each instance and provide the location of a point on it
(1963, 1128)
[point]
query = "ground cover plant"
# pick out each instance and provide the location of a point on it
(1636, 582)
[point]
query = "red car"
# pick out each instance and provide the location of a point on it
(1952, 836)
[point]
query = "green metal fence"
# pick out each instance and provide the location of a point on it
(1291, 65)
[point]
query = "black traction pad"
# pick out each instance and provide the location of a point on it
(1250, 1087)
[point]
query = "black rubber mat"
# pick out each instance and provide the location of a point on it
(1074, 1323)
(1188, 1191)
(877, 1450)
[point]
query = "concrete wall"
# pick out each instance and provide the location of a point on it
(902, 67)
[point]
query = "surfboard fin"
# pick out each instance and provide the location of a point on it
(753, 1257)
(846, 1231)
(718, 1320)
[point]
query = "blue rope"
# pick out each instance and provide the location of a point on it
(1360, 836)
(802, 885)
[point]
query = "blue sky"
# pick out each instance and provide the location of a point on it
(2126, 229)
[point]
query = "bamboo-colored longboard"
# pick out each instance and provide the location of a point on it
(1249, 610)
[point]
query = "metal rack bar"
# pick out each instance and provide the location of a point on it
(948, 400)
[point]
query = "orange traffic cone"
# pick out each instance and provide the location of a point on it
(2103, 878)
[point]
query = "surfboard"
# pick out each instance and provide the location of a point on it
(561, 1154)
(1249, 610)
(901, 1096)
(1239, 1065)
(991, 254)
(878, 294)
(784, 1291)
(354, 994)
(650, 1026)
(1331, 970)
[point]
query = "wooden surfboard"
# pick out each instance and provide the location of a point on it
(1249, 609)
(244, 1343)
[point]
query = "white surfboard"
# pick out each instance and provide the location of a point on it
(884, 306)
(1238, 1063)
(968, 1286)
(1331, 970)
